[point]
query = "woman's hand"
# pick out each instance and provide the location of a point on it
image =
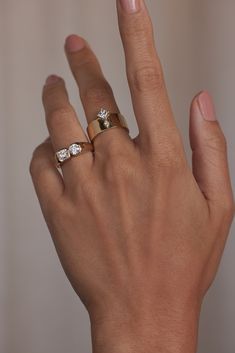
(140, 236)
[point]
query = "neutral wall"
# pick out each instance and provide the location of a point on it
(39, 311)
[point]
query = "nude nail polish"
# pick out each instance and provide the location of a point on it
(206, 106)
(130, 6)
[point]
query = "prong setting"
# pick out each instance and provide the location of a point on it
(103, 117)
(63, 155)
(75, 149)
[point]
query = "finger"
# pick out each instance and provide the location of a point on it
(95, 92)
(210, 164)
(63, 124)
(47, 180)
(144, 72)
(210, 168)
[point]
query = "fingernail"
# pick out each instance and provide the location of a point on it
(130, 6)
(206, 106)
(74, 43)
(52, 79)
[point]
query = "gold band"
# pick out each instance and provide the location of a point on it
(111, 120)
(74, 150)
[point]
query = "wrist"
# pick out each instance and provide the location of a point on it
(168, 330)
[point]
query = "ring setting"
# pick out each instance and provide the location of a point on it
(105, 121)
(62, 155)
(74, 150)
(103, 117)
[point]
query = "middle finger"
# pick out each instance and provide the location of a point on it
(95, 92)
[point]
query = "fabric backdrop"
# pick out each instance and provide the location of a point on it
(39, 312)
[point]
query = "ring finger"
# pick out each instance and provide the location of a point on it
(63, 125)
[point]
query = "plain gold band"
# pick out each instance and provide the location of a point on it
(86, 147)
(96, 126)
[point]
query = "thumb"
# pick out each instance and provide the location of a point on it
(210, 163)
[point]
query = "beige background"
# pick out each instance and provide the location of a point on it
(39, 311)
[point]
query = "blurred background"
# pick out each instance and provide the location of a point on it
(39, 312)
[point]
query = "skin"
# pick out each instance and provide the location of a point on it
(138, 232)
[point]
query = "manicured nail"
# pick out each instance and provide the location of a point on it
(74, 43)
(206, 106)
(130, 6)
(52, 79)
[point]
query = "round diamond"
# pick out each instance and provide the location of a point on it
(62, 155)
(75, 149)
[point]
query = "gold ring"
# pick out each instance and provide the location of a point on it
(105, 121)
(74, 150)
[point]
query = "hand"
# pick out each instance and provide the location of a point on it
(139, 235)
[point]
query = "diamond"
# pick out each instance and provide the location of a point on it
(103, 114)
(75, 149)
(63, 155)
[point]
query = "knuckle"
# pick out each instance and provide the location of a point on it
(35, 163)
(38, 161)
(169, 152)
(147, 78)
(118, 149)
(84, 190)
(38, 151)
(120, 168)
(97, 93)
(59, 114)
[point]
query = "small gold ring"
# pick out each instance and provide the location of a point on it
(104, 122)
(74, 150)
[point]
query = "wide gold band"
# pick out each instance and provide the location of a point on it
(97, 126)
(74, 150)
